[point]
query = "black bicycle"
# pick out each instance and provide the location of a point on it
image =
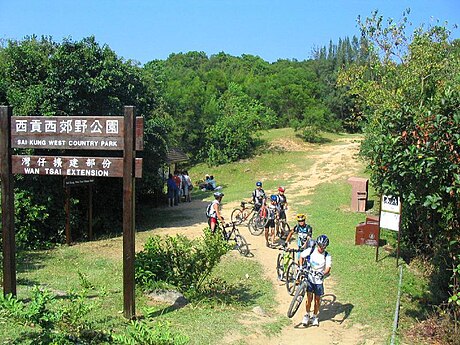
(301, 290)
(233, 235)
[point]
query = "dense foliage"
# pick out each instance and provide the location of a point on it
(211, 107)
(410, 91)
(41, 77)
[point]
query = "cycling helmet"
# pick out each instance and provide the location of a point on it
(322, 241)
(273, 198)
(259, 184)
(218, 195)
(301, 217)
(280, 189)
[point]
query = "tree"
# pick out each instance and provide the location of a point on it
(232, 137)
(410, 93)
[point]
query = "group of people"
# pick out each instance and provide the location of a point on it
(209, 183)
(179, 187)
(312, 252)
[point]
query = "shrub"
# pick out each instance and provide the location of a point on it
(139, 333)
(179, 261)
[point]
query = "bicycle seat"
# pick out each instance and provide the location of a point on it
(243, 203)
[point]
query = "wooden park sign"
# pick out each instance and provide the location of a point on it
(102, 133)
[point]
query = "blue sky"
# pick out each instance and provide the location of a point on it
(145, 30)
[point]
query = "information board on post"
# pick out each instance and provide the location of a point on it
(390, 213)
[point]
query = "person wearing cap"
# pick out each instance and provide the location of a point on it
(213, 212)
(258, 196)
(282, 204)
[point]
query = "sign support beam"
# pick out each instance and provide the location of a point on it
(9, 241)
(129, 156)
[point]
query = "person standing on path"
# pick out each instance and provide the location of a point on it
(272, 214)
(172, 190)
(213, 212)
(320, 262)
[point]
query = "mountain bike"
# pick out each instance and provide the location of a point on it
(300, 291)
(258, 221)
(294, 275)
(233, 235)
(241, 214)
(284, 260)
(282, 228)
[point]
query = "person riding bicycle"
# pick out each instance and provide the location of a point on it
(258, 196)
(213, 212)
(319, 262)
(304, 232)
(272, 214)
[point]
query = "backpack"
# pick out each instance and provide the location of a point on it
(209, 210)
(312, 250)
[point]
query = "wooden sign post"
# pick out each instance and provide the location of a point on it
(122, 133)
(9, 241)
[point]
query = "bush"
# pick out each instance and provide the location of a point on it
(138, 333)
(179, 261)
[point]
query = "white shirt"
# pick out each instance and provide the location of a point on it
(319, 262)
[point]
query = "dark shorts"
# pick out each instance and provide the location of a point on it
(282, 214)
(270, 224)
(317, 289)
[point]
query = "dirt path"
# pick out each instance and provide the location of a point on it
(333, 162)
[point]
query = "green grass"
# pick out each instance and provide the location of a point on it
(365, 290)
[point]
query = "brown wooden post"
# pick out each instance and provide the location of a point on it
(129, 155)
(90, 212)
(9, 242)
(68, 237)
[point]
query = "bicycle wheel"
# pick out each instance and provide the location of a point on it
(284, 229)
(292, 275)
(280, 267)
(242, 245)
(237, 216)
(260, 221)
(252, 227)
(297, 299)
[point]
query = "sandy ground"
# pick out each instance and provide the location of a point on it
(333, 162)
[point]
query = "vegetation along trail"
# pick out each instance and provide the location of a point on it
(332, 162)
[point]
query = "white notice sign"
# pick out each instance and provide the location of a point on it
(390, 213)
(389, 220)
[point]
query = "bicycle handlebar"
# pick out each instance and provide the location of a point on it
(291, 250)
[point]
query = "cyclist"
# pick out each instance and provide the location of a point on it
(272, 214)
(213, 212)
(319, 261)
(282, 201)
(258, 196)
(303, 231)
(282, 204)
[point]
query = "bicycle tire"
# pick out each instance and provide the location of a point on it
(280, 267)
(237, 216)
(284, 230)
(297, 300)
(241, 245)
(253, 229)
(260, 221)
(291, 277)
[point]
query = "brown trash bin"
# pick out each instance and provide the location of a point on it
(368, 232)
(359, 189)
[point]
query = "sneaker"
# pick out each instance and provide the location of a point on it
(314, 321)
(305, 320)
